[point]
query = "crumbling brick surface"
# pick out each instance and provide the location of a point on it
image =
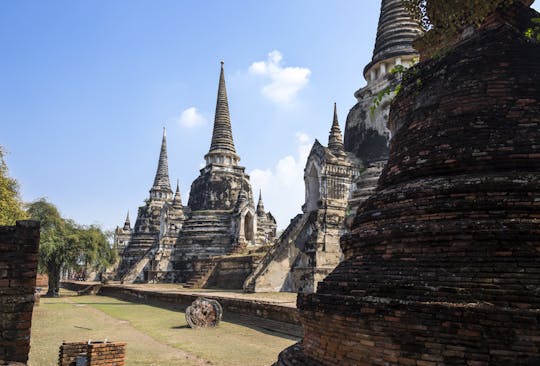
(18, 268)
(443, 263)
(69, 352)
(97, 353)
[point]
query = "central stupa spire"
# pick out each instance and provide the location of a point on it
(222, 149)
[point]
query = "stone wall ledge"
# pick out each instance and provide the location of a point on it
(251, 307)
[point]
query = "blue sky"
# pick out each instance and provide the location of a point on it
(86, 87)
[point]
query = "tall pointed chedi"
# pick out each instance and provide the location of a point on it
(147, 226)
(442, 266)
(223, 217)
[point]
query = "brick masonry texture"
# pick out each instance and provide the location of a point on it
(442, 266)
(18, 269)
(97, 354)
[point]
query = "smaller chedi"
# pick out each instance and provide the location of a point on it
(170, 241)
(308, 250)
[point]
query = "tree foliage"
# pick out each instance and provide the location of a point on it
(445, 20)
(11, 208)
(64, 245)
(452, 16)
(534, 31)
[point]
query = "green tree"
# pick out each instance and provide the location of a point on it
(10, 204)
(64, 245)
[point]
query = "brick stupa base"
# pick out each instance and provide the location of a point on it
(443, 263)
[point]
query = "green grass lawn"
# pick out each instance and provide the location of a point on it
(154, 336)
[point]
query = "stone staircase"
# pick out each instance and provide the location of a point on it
(200, 277)
(284, 247)
(131, 275)
(206, 233)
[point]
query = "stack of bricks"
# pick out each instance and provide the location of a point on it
(69, 352)
(442, 266)
(96, 353)
(18, 267)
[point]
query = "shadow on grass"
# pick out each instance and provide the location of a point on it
(109, 303)
(181, 326)
(272, 327)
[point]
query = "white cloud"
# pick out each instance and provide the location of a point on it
(283, 185)
(191, 117)
(285, 82)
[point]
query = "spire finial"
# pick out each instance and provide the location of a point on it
(177, 200)
(127, 224)
(164, 132)
(161, 180)
(335, 141)
(260, 205)
(222, 138)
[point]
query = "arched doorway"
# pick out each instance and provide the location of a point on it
(313, 189)
(248, 226)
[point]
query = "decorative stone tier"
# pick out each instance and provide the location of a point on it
(218, 188)
(395, 33)
(443, 263)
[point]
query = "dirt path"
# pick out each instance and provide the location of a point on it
(60, 319)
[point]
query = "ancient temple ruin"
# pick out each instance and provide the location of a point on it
(309, 248)
(443, 263)
(344, 174)
(220, 218)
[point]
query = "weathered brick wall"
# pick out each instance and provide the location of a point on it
(69, 352)
(106, 354)
(443, 263)
(98, 353)
(231, 272)
(18, 268)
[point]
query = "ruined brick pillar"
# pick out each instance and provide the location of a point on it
(18, 269)
(443, 263)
